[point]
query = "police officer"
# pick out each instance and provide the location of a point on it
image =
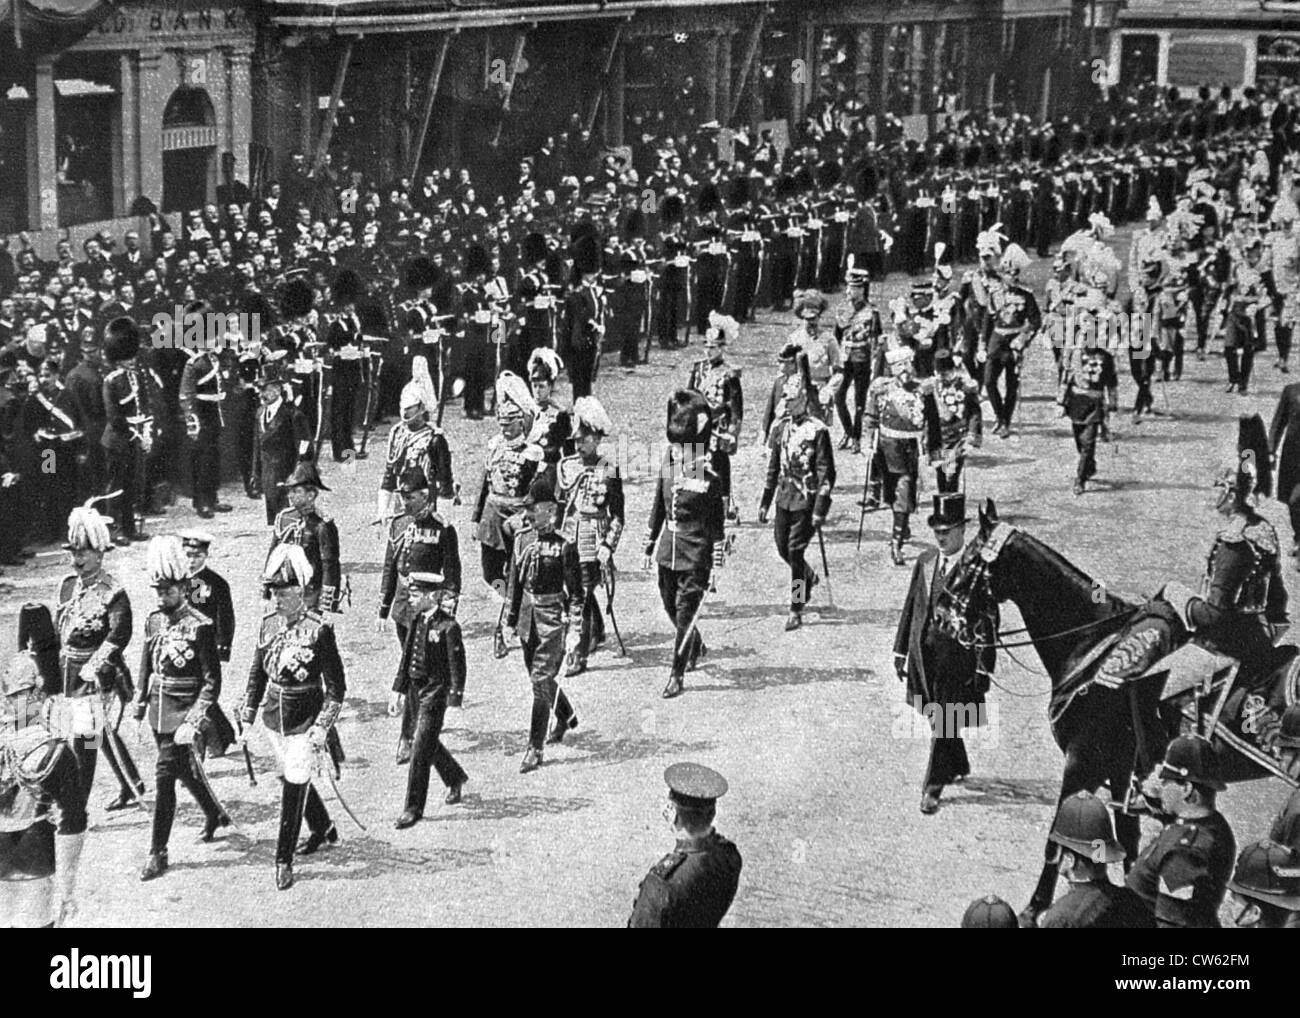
(1266, 881)
(1086, 839)
(546, 599)
(180, 681)
(801, 476)
(590, 490)
(297, 669)
(685, 534)
(1182, 875)
(433, 664)
(304, 525)
(693, 885)
(989, 913)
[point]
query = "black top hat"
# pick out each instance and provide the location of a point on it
(304, 474)
(949, 511)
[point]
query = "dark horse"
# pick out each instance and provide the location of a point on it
(1096, 647)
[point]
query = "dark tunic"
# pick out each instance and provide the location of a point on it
(1182, 875)
(691, 887)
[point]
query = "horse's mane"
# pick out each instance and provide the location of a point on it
(1071, 578)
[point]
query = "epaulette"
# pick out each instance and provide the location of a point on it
(109, 582)
(533, 451)
(322, 517)
(668, 865)
(153, 624)
(271, 624)
(315, 618)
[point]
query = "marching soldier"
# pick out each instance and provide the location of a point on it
(685, 534)
(128, 432)
(801, 475)
(345, 343)
(954, 425)
(553, 428)
(720, 384)
(304, 525)
(1089, 392)
(747, 249)
(474, 316)
(591, 493)
(1248, 295)
(431, 671)
(511, 463)
(825, 361)
(282, 442)
(419, 524)
(546, 598)
(946, 682)
(1267, 881)
(584, 317)
(297, 670)
(180, 682)
(415, 441)
(895, 428)
(1086, 844)
(692, 886)
(42, 807)
(1013, 321)
(857, 331)
(93, 618)
(536, 303)
(1182, 875)
(201, 396)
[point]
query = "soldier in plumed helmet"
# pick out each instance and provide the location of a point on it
(693, 886)
(432, 668)
(801, 477)
(684, 536)
(415, 441)
(297, 680)
(545, 608)
(590, 491)
(896, 413)
(1086, 845)
(553, 426)
(180, 682)
(858, 332)
(513, 459)
(720, 384)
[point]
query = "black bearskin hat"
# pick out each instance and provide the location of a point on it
(672, 208)
(803, 179)
(296, 298)
(121, 339)
(37, 636)
(634, 224)
(738, 191)
(1254, 465)
(534, 248)
(689, 419)
(829, 174)
(786, 187)
(709, 200)
(421, 273)
(583, 228)
(586, 254)
(477, 261)
(346, 288)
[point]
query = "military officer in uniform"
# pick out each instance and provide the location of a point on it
(946, 682)
(283, 440)
(513, 459)
(201, 396)
(801, 476)
(180, 682)
(129, 430)
(1013, 321)
(685, 534)
(1086, 844)
(433, 664)
(415, 441)
(537, 303)
(590, 491)
(954, 425)
(209, 594)
(318, 536)
(297, 671)
(1182, 875)
(857, 330)
(344, 340)
(584, 317)
(693, 885)
(720, 384)
(553, 426)
(93, 618)
(896, 412)
(1089, 392)
(420, 525)
(545, 608)
(1266, 881)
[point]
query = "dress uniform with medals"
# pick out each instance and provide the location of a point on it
(297, 670)
(202, 394)
(1182, 875)
(720, 384)
(591, 496)
(553, 426)
(536, 303)
(414, 441)
(180, 682)
(1013, 321)
(954, 423)
(685, 532)
(1089, 392)
(801, 477)
(129, 429)
(432, 667)
(545, 609)
(693, 886)
(857, 330)
(896, 412)
(317, 535)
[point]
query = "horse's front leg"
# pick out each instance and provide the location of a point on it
(1076, 778)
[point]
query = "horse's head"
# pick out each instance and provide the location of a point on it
(967, 607)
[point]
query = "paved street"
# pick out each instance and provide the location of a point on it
(823, 758)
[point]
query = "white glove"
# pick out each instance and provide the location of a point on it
(316, 736)
(394, 704)
(572, 639)
(383, 625)
(184, 734)
(604, 554)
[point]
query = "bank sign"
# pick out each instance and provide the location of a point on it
(169, 20)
